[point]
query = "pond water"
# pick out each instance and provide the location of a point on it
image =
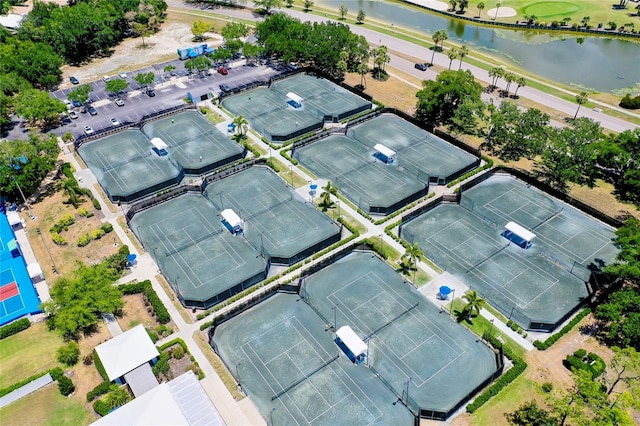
(598, 63)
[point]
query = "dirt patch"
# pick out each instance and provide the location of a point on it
(86, 377)
(135, 312)
(48, 211)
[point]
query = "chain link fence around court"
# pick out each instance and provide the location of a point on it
(566, 250)
(358, 289)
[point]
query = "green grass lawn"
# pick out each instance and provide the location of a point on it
(520, 390)
(29, 352)
(46, 407)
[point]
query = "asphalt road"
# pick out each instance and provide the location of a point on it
(409, 49)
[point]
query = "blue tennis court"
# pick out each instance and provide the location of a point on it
(18, 297)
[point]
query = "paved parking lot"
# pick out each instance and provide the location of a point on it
(170, 91)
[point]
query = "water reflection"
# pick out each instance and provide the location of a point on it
(596, 63)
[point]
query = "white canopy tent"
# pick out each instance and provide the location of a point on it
(294, 100)
(159, 146)
(232, 219)
(513, 228)
(351, 340)
(387, 152)
(14, 218)
(35, 272)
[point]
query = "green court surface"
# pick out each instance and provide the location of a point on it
(369, 183)
(418, 151)
(283, 355)
(274, 217)
(268, 112)
(193, 141)
(202, 260)
(127, 167)
(536, 287)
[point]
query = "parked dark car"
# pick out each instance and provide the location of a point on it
(421, 67)
(225, 87)
(91, 110)
(76, 103)
(151, 93)
(74, 80)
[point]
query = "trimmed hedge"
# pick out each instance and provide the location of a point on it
(567, 328)
(99, 390)
(488, 164)
(590, 362)
(14, 328)
(66, 386)
(101, 407)
(518, 367)
(159, 310)
(56, 374)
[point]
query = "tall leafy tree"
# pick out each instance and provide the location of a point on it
(25, 163)
(38, 108)
(78, 299)
(268, 5)
(343, 10)
(438, 100)
(81, 93)
(517, 134)
(199, 29)
(530, 414)
(144, 79)
(116, 85)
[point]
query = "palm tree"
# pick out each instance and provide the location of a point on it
(498, 4)
(474, 303)
(363, 69)
(241, 125)
(438, 37)
(581, 99)
(117, 396)
(329, 190)
(463, 5)
(412, 255)
(480, 7)
(464, 51)
(521, 82)
(496, 73)
(453, 4)
(453, 54)
(531, 19)
(71, 188)
(509, 78)
(585, 20)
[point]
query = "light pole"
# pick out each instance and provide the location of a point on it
(453, 297)
(221, 202)
(261, 245)
(491, 328)
(31, 216)
(335, 317)
(339, 213)
(238, 375)
(291, 174)
(381, 244)
(271, 415)
(407, 393)
(178, 287)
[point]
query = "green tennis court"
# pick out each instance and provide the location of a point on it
(202, 260)
(372, 185)
(417, 150)
(275, 217)
(270, 114)
(282, 350)
(128, 169)
(536, 287)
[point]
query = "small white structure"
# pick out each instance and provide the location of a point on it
(294, 100)
(182, 401)
(35, 272)
(388, 154)
(518, 234)
(11, 21)
(127, 352)
(159, 147)
(14, 220)
(351, 344)
(232, 221)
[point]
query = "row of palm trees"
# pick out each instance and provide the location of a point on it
(497, 73)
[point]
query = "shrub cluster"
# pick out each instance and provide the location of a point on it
(581, 360)
(65, 386)
(95, 235)
(101, 407)
(14, 327)
(488, 165)
(518, 367)
(630, 103)
(144, 287)
(62, 225)
(84, 212)
(554, 338)
(68, 354)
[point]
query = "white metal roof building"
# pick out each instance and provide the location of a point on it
(387, 152)
(181, 401)
(126, 352)
(352, 342)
